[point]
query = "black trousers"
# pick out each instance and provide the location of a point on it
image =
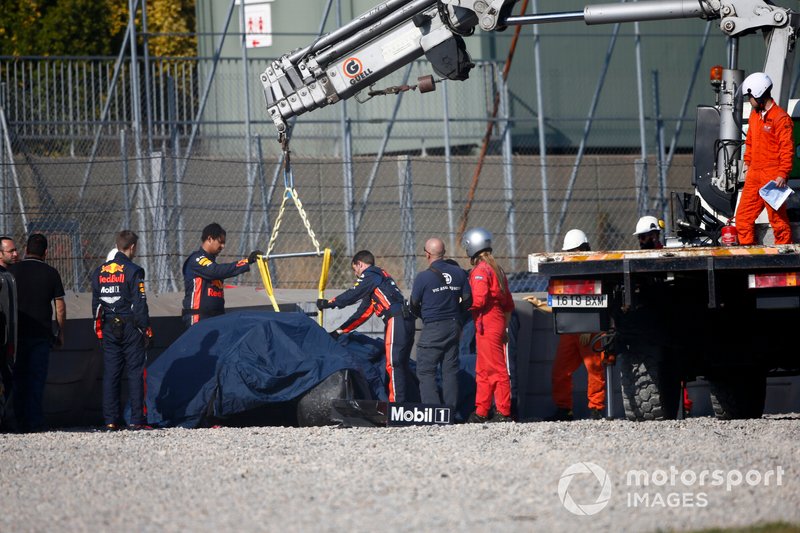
(126, 353)
(438, 345)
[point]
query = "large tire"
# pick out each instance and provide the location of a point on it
(738, 395)
(650, 389)
(315, 407)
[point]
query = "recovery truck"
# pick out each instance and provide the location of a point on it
(691, 309)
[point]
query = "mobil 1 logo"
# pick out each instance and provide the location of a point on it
(418, 414)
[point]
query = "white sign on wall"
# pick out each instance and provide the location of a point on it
(258, 24)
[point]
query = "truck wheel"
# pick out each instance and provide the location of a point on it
(738, 396)
(649, 389)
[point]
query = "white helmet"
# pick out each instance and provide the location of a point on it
(573, 239)
(647, 224)
(111, 254)
(477, 240)
(756, 84)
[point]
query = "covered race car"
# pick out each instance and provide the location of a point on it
(248, 368)
(264, 368)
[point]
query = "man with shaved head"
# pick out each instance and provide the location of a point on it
(439, 296)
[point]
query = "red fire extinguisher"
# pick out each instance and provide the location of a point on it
(729, 236)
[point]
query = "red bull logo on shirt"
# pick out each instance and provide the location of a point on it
(113, 278)
(112, 268)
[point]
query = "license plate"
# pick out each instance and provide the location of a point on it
(577, 300)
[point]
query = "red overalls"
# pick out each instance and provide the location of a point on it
(489, 308)
(769, 148)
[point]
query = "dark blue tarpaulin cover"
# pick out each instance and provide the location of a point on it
(230, 364)
(244, 360)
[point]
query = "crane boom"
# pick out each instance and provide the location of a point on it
(341, 63)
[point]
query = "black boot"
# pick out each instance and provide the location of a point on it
(475, 418)
(562, 414)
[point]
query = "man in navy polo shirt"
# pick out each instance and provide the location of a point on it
(439, 296)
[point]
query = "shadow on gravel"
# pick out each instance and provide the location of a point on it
(783, 417)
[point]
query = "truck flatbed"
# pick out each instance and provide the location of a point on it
(666, 260)
(705, 261)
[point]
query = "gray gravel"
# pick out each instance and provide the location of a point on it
(468, 478)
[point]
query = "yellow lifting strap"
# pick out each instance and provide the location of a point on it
(323, 279)
(263, 267)
(266, 279)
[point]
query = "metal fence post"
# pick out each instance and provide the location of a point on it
(508, 175)
(347, 162)
(642, 192)
(137, 140)
(148, 95)
(126, 186)
(405, 180)
(246, 242)
(448, 170)
(542, 138)
(176, 216)
(70, 110)
(266, 196)
(662, 169)
(159, 223)
(10, 162)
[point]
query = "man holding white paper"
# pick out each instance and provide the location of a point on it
(769, 149)
(775, 195)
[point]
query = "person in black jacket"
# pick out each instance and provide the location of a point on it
(122, 322)
(8, 338)
(379, 295)
(439, 297)
(202, 276)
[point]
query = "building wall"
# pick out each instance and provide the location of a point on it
(572, 59)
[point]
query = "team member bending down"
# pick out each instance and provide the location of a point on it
(202, 276)
(491, 309)
(574, 349)
(379, 295)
